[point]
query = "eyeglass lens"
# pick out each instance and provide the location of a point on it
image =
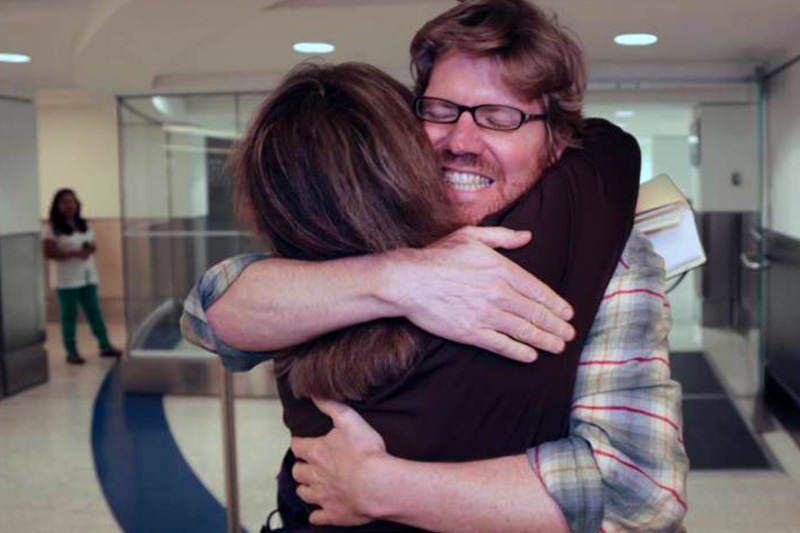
(488, 116)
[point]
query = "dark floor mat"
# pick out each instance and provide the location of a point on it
(717, 438)
(692, 371)
(782, 406)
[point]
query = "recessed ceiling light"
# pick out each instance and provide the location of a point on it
(161, 104)
(313, 48)
(625, 113)
(14, 58)
(694, 139)
(636, 39)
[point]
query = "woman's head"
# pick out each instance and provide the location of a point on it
(65, 211)
(336, 164)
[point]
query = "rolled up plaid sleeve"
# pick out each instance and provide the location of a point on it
(194, 323)
(623, 466)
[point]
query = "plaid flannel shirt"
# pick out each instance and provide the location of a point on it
(623, 466)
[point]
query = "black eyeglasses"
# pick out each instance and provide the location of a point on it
(491, 116)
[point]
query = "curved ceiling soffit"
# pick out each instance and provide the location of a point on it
(127, 43)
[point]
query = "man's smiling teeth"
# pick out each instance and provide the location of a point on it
(465, 181)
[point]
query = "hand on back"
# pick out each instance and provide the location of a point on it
(460, 288)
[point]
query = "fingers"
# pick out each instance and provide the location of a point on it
(523, 281)
(541, 317)
(302, 448)
(342, 415)
(496, 236)
(531, 287)
(307, 494)
(524, 331)
(505, 346)
(320, 518)
(332, 408)
(302, 473)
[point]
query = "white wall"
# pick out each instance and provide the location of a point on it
(670, 155)
(728, 145)
(18, 170)
(783, 137)
(77, 136)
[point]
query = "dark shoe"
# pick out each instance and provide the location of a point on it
(75, 360)
(110, 352)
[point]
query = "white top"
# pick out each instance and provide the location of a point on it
(74, 272)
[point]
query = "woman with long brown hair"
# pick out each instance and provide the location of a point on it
(335, 164)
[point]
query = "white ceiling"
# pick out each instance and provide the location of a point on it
(146, 46)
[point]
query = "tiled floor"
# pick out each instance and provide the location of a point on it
(47, 478)
(742, 501)
(48, 483)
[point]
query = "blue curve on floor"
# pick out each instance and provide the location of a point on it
(147, 483)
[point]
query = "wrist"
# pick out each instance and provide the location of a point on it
(376, 491)
(390, 289)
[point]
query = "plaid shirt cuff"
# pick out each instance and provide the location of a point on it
(194, 323)
(569, 473)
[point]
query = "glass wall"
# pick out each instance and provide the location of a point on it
(178, 217)
(706, 137)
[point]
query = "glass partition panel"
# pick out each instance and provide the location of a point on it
(706, 138)
(178, 217)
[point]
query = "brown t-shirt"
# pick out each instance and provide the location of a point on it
(460, 403)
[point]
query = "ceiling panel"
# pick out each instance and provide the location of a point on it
(125, 46)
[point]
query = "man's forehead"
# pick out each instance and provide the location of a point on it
(471, 79)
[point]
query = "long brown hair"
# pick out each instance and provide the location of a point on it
(333, 165)
(540, 58)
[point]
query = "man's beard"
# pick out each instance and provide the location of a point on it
(475, 164)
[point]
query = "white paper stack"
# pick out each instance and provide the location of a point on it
(665, 217)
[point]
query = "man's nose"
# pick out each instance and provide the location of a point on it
(465, 137)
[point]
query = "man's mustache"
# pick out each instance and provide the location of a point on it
(468, 161)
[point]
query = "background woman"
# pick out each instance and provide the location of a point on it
(69, 242)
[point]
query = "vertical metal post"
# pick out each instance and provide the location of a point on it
(764, 222)
(229, 450)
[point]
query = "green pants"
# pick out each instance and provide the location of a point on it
(68, 300)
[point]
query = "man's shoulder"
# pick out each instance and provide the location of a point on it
(640, 259)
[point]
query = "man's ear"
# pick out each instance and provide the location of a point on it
(559, 151)
(555, 149)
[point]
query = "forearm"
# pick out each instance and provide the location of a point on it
(458, 288)
(501, 494)
(60, 255)
(278, 303)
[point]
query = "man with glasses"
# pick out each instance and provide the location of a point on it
(500, 88)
